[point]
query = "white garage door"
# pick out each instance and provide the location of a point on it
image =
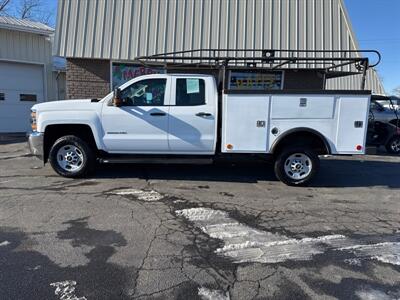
(21, 87)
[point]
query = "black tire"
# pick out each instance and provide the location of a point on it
(391, 147)
(87, 157)
(283, 158)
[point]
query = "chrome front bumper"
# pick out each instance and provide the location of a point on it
(35, 142)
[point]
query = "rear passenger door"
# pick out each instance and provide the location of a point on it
(192, 117)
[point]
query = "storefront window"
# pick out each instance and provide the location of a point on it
(122, 72)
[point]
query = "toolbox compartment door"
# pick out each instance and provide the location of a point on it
(245, 123)
(352, 124)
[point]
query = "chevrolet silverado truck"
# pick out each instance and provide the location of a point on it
(199, 118)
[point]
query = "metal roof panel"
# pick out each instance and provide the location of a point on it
(25, 25)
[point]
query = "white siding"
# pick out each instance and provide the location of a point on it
(125, 29)
(18, 46)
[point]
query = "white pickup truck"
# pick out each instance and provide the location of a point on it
(187, 118)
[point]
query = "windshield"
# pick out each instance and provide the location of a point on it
(376, 104)
(396, 101)
(384, 103)
(388, 103)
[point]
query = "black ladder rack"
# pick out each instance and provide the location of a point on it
(332, 63)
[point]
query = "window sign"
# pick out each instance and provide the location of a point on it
(192, 86)
(255, 80)
(190, 92)
(122, 72)
(149, 97)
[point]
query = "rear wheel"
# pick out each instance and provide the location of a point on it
(71, 157)
(296, 166)
(393, 146)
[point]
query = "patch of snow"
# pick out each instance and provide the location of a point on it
(66, 290)
(179, 201)
(148, 196)
(371, 294)
(1, 182)
(245, 244)
(353, 261)
(5, 243)
(242, 243)
(388, 252)
(207, 294)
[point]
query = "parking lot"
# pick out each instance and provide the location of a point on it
(199, 232)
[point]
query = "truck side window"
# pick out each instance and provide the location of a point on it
(190, 92)
(148, 92)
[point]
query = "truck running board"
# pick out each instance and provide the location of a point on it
(158, 160)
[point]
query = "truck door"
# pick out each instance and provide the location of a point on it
(140, 125)
(193, 114)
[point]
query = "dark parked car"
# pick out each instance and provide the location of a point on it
(386, 134)
(383, 109)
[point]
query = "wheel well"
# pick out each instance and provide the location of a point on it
(54, 132)
(302, 138)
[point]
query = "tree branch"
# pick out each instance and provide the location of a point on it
(3, 5)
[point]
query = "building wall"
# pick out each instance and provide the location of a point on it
(123, 30)
(60, 84)
(373, 82)
(87, 78)
(17, 46)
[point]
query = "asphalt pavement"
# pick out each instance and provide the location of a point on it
(199, 232)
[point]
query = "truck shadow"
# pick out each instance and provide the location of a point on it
(219, 172)
(358, 173)
(333, 173)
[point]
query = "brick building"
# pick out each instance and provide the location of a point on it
(94, 74)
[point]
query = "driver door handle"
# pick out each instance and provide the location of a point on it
(158, 114)
(203, 114)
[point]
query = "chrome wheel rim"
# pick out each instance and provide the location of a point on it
(395, 146)
(70, 158)
(298, 166)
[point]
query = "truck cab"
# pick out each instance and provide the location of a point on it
(162, 114)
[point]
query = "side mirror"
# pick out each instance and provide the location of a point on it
(117, 98)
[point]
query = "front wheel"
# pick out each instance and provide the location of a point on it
(71, 157)
(296, 166)
(393, 146)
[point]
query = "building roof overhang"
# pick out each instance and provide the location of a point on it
(25, 26)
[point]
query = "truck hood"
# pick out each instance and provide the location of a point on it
(63, 105)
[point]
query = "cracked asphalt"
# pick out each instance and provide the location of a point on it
(118, 234)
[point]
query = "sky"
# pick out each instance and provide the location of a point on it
(376, 24)
(51, 5)
(47, 7)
